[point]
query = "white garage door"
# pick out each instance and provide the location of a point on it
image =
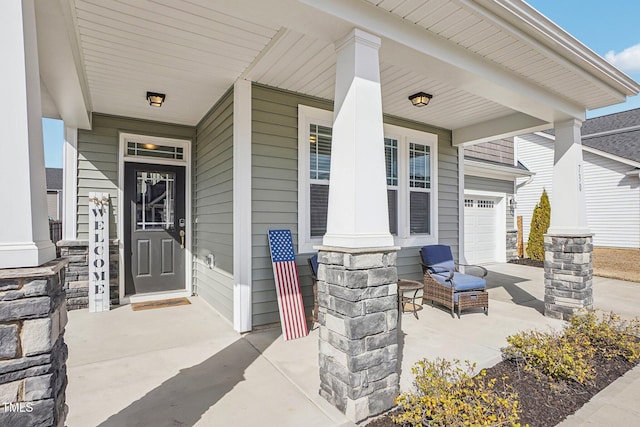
(480, 229)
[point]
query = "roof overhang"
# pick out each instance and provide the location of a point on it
(493, 170)
(104, 56)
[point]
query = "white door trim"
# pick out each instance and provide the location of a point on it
(185, 144)
(501, 221)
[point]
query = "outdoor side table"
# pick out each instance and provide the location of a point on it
(406, 299)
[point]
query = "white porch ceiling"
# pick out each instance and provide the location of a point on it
(193, 51)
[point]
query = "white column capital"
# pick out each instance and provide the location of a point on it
(358, 36)
(571, 123)
(358, 209)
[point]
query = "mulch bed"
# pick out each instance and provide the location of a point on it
(543, 402)
(527, 261)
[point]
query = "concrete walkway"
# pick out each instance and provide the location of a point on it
(185, 366)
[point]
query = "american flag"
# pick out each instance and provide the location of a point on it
(285, 270)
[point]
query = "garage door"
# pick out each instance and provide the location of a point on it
(480, 229)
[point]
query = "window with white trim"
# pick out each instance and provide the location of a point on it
(411, 171)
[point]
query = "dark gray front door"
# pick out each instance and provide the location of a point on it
(154, 228)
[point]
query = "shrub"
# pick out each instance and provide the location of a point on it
(570, 355)
(552, 354)
(448, 394)
(540, 221)
(609, 334)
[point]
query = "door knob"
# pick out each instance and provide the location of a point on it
(182, 239)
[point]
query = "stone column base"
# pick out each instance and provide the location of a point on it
(512, 245)
(358, 317)
(33, 354)
(568, 275)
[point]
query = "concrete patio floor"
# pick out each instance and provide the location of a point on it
(185, 366)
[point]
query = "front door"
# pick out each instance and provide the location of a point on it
(154, 228)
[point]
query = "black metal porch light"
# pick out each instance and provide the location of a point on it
(420, 99)
(155, 99)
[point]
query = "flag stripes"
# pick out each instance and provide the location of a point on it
(285, 271)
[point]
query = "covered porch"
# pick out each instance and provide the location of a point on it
(185, 365)
(230, 92)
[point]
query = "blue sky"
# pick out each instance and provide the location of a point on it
(610, 28)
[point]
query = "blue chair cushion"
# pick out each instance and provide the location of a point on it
(461, 281)
(435, 256)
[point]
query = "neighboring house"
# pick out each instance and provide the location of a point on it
(490, 172)
(256, 92)
(611, 152)
(54, 192)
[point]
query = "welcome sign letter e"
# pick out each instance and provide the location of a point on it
(98, 252)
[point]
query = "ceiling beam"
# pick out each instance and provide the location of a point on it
(503, 127)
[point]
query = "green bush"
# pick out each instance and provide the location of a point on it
(448, 394)
(569, 355)
(539, 225)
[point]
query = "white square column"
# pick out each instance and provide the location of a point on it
(24, 235)
(358, 214)
(568, 203)
(568, 244)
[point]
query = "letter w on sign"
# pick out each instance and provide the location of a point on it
(285, 271)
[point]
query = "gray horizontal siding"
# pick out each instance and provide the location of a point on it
(275, 192)
(98, 160)
(478, 183)
(213, 206)
(500, 151)
(274, 156)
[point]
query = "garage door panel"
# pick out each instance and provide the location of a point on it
(480, 222)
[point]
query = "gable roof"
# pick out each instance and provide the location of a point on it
(54, 178)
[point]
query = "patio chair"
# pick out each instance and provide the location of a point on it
(313, 265)
(444, 284)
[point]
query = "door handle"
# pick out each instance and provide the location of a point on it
(182, 239)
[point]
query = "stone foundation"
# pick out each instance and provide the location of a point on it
(512, 245)
(568, 274)
(77, 272)
(33, 354)
(358, 317)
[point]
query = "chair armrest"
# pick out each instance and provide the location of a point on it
(484, 270)
(427, 269)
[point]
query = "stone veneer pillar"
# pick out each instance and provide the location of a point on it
(33, 354)
(568, 275)
(358, 317)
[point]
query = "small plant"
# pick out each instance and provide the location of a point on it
(449, 394)
(540, 221)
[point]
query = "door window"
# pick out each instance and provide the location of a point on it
(155, 200)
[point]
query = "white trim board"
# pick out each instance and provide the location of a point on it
(242, 244)
(186, 162)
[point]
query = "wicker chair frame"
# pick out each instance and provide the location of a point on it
(435, 291)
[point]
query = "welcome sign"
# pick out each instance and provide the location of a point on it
(98, 252)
